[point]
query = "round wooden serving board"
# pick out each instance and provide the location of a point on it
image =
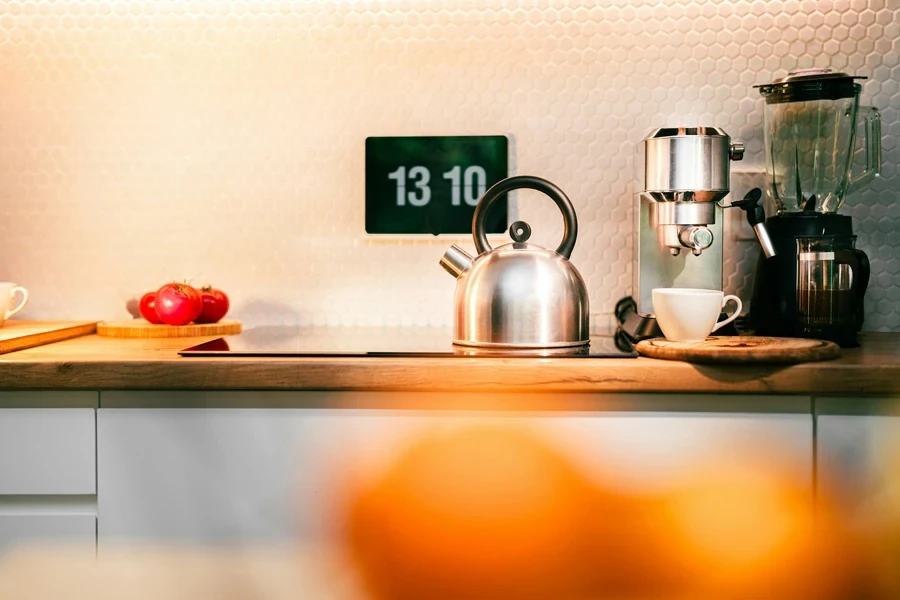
(139, 328)
(741, 349)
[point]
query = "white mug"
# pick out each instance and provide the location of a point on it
(690, 315)
(7, 292)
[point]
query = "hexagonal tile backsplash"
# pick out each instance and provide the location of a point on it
(222, 141)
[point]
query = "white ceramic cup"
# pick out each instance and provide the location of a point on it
(690, 315)
(7, 293)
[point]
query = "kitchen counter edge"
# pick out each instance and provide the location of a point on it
(97, 363)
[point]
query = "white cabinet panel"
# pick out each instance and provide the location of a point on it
(652, 451)
(47, 451)
(20, 529)
(859, 462)
(215, 475)
(222, 474)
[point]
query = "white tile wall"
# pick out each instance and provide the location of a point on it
(146, 140)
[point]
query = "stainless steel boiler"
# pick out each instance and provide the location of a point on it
(681, 174)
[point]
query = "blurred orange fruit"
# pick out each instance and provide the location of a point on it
(486, 511)
(496, 512)
(742, 529)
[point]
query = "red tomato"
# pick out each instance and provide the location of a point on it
(148, 308)
(178, 303)
(215, 305)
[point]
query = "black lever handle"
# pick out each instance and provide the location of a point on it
(756, 214)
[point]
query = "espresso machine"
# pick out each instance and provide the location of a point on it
(681, 174)
(814, 286)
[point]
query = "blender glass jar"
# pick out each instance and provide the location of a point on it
(812, 120)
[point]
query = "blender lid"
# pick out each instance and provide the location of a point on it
(810, 84)
(813, 75)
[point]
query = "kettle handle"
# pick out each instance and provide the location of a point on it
(501, 188)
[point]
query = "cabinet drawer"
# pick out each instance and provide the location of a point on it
(47, 451)
(18, 530)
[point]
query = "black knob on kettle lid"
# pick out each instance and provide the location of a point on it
(520, 231)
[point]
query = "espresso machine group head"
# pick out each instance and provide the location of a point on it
(681, 174)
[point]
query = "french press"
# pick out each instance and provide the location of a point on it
(831, 283)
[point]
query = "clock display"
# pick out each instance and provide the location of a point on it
(431, 185)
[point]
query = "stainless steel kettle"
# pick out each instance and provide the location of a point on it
(519, 295)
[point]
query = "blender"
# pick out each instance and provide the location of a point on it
(814, 128)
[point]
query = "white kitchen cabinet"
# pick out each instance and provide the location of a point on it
(47, 451)
(48, 469)
(858, 455)
(73, 530)
(223, 475)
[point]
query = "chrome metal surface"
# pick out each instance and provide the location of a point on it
(456, 260)
(736, 152)
(668, 236)
(696, 238)
(668, 132)
(691, 164)
(682, 213)
(507, 351)
(519, 295)
(762, 234)
(810, 256)
(678, 224)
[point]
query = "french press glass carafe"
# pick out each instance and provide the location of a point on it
(831, 282)
(812, 120)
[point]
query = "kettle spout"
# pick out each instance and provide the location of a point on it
(456, 260)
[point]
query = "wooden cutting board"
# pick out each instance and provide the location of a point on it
(139, 328)
(18, 335)
(741, 349)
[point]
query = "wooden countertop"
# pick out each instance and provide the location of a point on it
(100, 363)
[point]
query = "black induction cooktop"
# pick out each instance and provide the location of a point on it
(281, 341)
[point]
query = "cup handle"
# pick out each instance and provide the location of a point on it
(734, 315)
(21, 305)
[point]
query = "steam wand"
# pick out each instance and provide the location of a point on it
(756, 216)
